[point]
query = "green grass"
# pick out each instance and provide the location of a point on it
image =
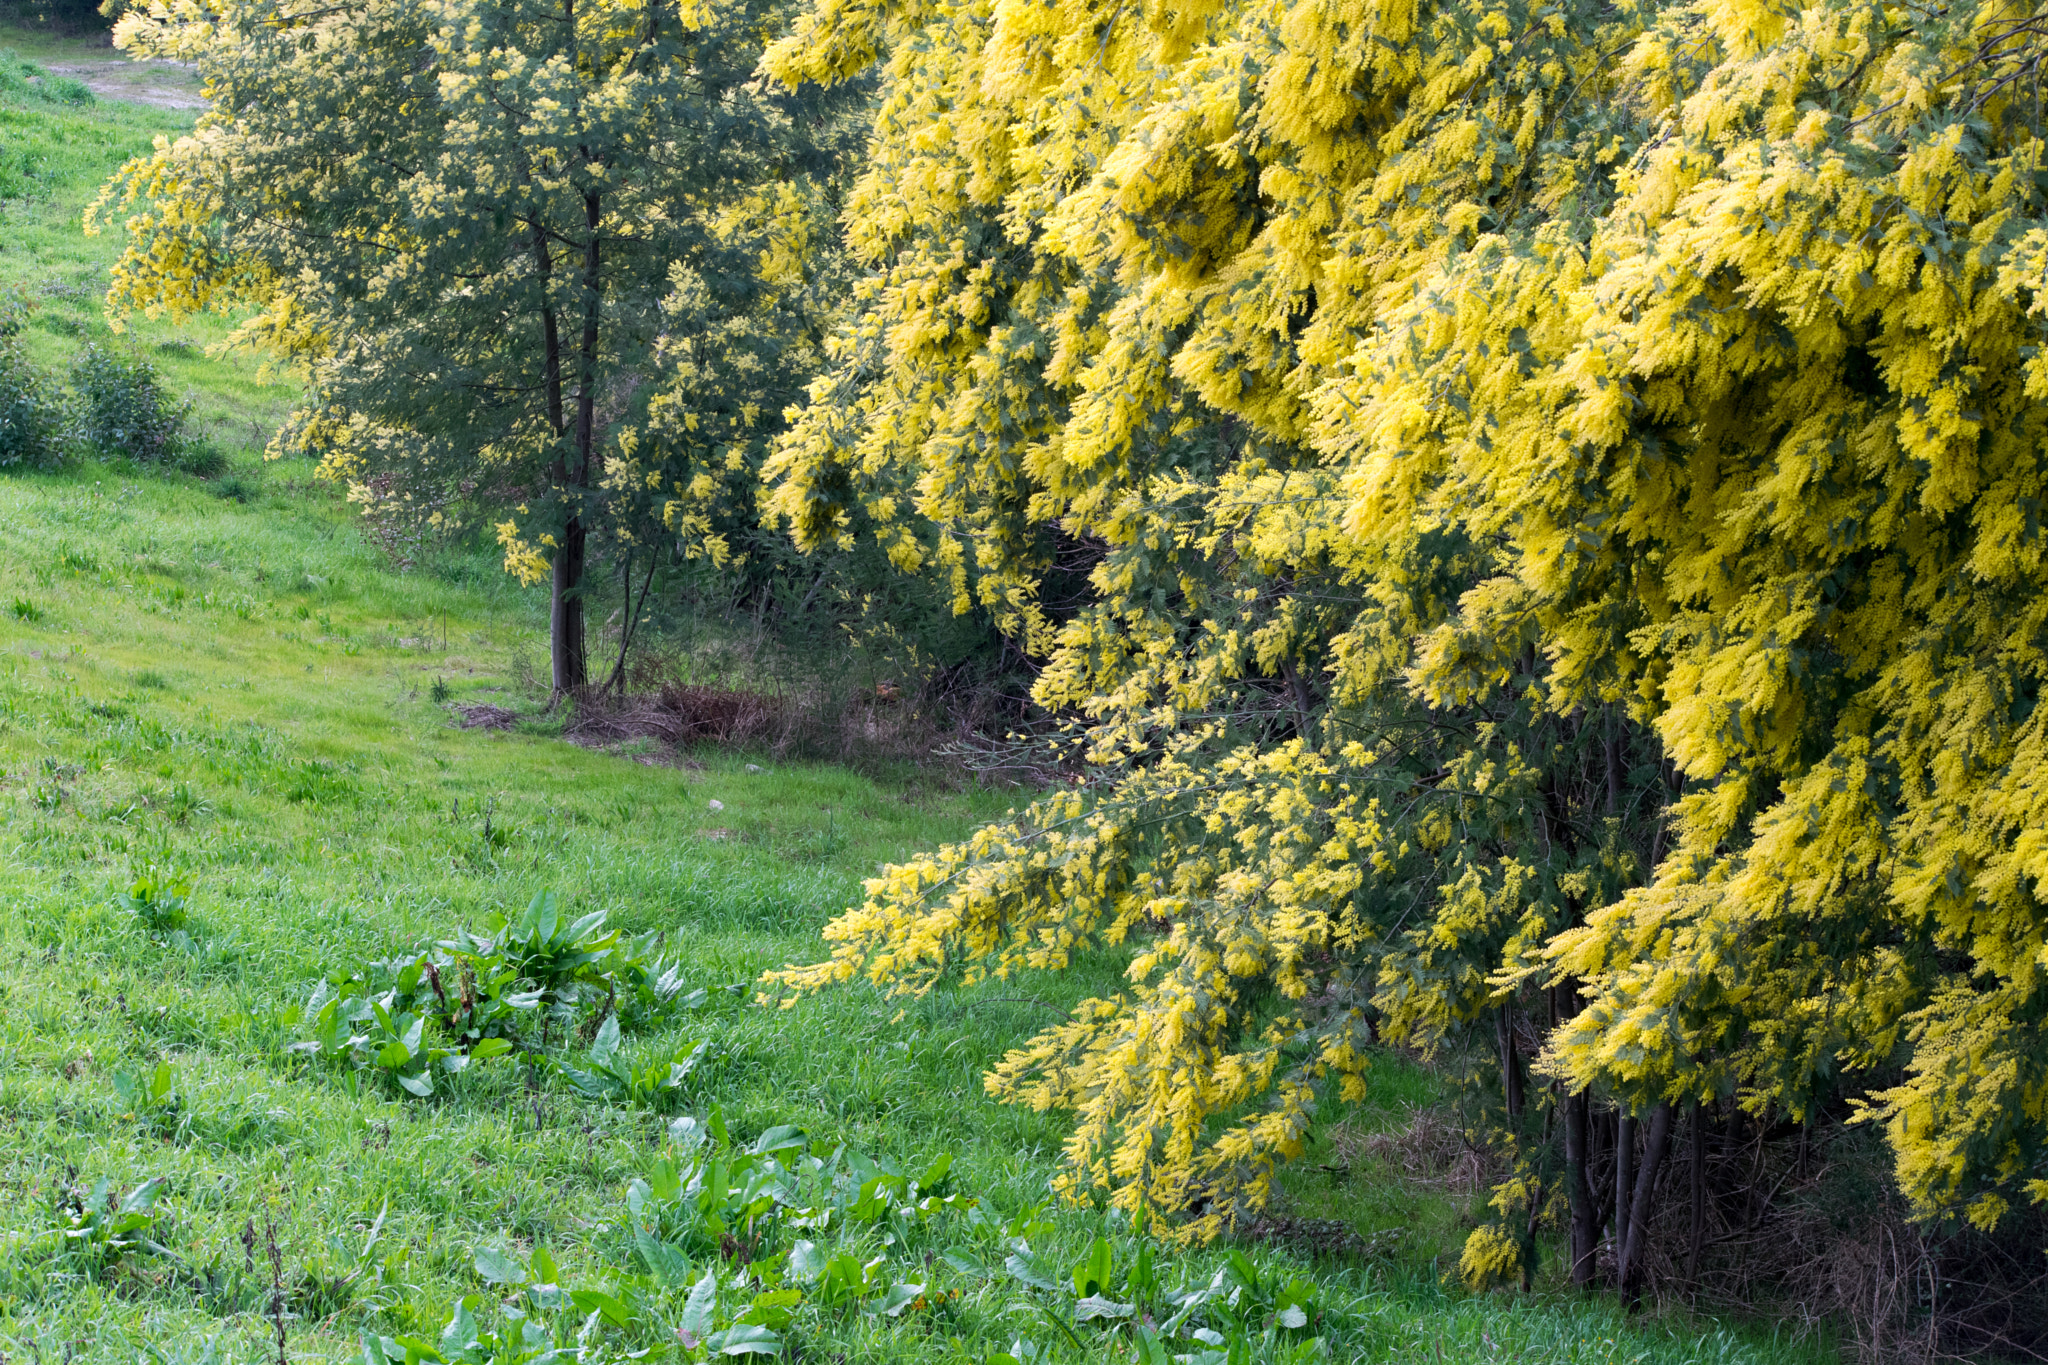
(240, 694)
(53, 159)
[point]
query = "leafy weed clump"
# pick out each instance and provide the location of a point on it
(157, 902)
(521, 985)
(100, 1231)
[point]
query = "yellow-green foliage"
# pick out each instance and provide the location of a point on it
(1487, 427)
(555, 264)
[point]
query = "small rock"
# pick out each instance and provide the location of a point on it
(718, 805)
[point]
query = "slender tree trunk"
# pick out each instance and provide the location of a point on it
(565, 613)
(1579, 1188)
(568, 667)
(1610, 747)
(1629, 1271)
(572, 670)
(1699, 1196)
(551, 343)
(586, 379)
(1624, 1173)
(1510, 1062)
(618, 677)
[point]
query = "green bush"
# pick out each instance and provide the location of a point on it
(31, 415)
(123, 410)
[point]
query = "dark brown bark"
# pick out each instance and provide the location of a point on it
(551, 342)
(618, 677)
(586, 378)
(1629, 1268)
(571, 667)
(1624, 1174)
(1610, 745)
(565, 621)
(568, 666)
(1579, 1188)
(1510, 1061)
(1699, 1195)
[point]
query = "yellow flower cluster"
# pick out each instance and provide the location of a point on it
(1556, 491)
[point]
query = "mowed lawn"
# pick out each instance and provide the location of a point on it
(236, 696)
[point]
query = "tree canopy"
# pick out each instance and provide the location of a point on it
(490, 232)
(1562, 485)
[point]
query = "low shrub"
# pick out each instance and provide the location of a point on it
(31, 412)
(237, 488)
(124, 410)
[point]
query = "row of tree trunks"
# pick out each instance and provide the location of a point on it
(1629, 1194)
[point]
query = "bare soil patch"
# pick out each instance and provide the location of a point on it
(166, 85)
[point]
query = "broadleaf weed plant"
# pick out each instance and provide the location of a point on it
(523, 985)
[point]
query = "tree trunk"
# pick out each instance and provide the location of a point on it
(618, 677)
(1579, 1188)
(567, 665)
(1629, 1270)
(1510, 1062)
(1624, 1173)
(586, 378)
(565, 613)
(1699, 1195)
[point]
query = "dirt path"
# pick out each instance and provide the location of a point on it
(167, 85)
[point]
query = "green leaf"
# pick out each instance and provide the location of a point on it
(805, 1264)
(697, 1309)
(747, 1339)
(460, 1333)
(498, 1268)
(489, 1048)
(664, 1182)
(1092, 1275)
(606, 1045)
(899, 1297)
(1243, 1271)
(421, 1085)
(594, 1301)
(1023, 1266)
(1095, 1306)
(592, 1085)
(540, 916)
(780, 1138)
(144, 1195)
(680, 1068)
(666, 1263)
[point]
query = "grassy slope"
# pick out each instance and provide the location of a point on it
(243, 693)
